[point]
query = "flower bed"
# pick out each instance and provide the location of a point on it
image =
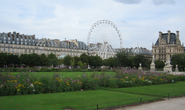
(27, 83)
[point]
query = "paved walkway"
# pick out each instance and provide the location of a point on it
(172, 104)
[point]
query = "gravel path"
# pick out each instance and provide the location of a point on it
(172, 104)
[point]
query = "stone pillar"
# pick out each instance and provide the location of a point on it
(176, 69)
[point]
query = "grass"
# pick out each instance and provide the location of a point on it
(62, 74)
(174, 89)
(83, 100)
(80, 100)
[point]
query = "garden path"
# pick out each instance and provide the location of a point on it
(171, 104)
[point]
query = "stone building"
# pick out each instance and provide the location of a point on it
(167, 45)
(18, 44)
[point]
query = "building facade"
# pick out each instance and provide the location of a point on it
(17, 44)
(167, 45)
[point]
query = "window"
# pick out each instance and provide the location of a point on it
(29, 51)
(4, 49)
(12, 50)
(25, 50)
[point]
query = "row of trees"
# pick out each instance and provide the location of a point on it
(28, 59)
(120, 60)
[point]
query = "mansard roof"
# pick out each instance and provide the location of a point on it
(165, 36)
(16, 38)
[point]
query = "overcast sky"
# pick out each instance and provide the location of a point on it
(139, 21)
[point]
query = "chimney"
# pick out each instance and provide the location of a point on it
(177, 35)
(168, 36)
(160, 36)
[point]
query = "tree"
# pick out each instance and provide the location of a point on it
(24, 59)
(81, 64)
(33, 59)
(95, 61)
(61, 61)
(13, 59)
(122, 59)
(3, 58)
(76, 60)
(52, 59)
(67, 60)
(178, 59)
(159, 64)
(84, 58)
(43, 60)
(140, 59)
(109, 62)
(72, 62)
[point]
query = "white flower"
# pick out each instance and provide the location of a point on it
(31, 85)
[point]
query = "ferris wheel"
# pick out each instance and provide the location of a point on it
(103, 39)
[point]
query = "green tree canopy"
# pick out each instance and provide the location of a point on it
(52, 59)
(43, 60)
(178, 59)
(67, 60)
(84, 58)
(159, 64)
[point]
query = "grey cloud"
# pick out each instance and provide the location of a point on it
(128, 1)
(160, 2)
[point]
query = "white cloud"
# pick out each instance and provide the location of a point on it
(159, 2)
(139, 24)
(129, 1)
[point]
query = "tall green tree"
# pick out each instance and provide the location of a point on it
(52, 59)
(159, 64)
(3, 58)
(13, 59)
(76, 60)
(43, 60)
(67, 60)
(140, 59)
(109, 62)
(122, 59)
(33, 59)
(95, 61)
(84, 58)
(178, 59)
(24, 59)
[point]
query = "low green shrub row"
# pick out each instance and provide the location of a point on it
(52, 70)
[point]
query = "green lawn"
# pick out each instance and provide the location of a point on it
(83, 100)
(80, 100)
(62, 74)
(174, 89)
